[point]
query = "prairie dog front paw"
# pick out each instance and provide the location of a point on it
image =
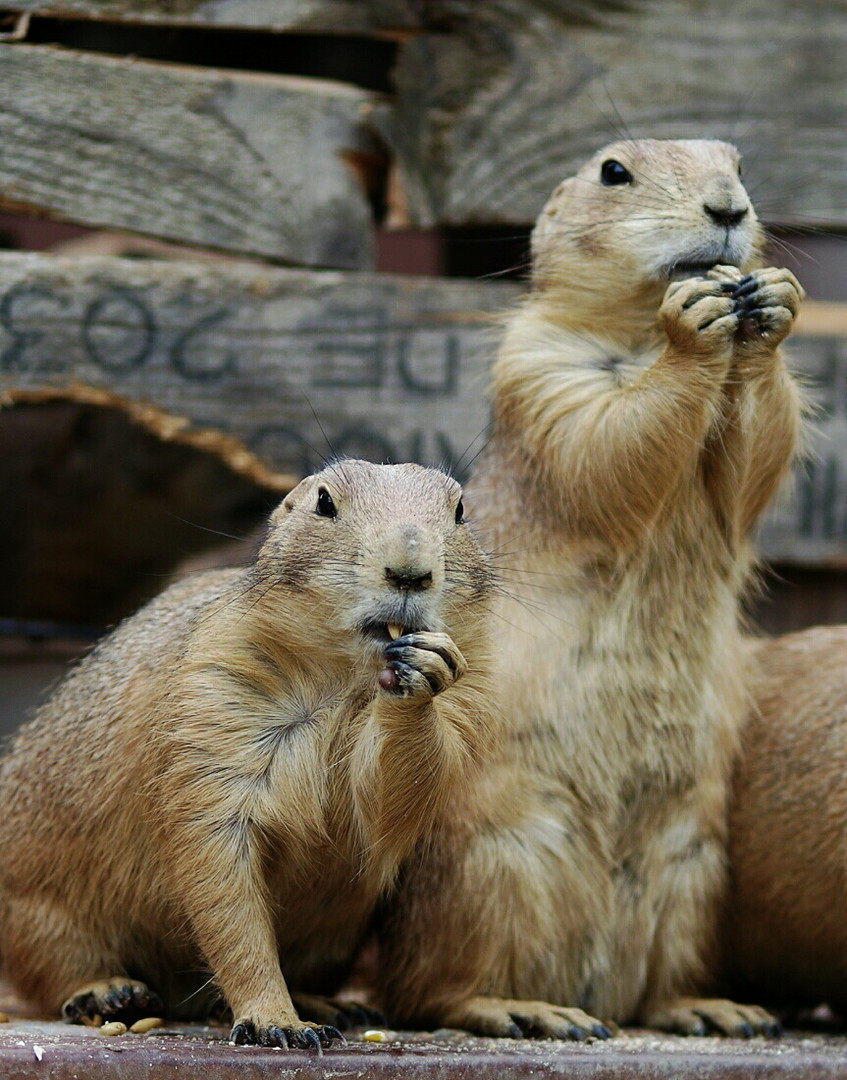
(767, 303)
(421, 665)
(118, 998)
(700, 318)
(296, 1036)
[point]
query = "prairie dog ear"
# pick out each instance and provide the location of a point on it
(292, 499)
(546, 223)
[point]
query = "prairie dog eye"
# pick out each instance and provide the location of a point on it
(460, 513)
(613, 173)
(325, 507)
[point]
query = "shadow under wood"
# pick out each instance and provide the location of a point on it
(102, 500)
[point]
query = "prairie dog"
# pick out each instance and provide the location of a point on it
(225, 787)
(643, 417)
(785, 933)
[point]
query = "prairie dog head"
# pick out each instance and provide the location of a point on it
(373, 551)
(646, 211)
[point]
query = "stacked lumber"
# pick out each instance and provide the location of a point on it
(275, 184)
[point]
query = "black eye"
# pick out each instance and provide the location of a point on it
(740, 171)
(325, 507)
(460, 513)
(612, 173)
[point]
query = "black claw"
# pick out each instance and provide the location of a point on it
(272, 1036)
(774, 1029)
(112, 1001)
(354, 1015)
(745, 1030)
(71, 1011)
(304, 1039)
(403, 673)
(744, 306)
(146, 999)
(601, 1031)
(330, 1034)
(577, 1033)
(745, 287)
(402, 647)
(513, 1031)
(243, 1035)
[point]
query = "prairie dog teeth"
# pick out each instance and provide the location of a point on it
(394, 630)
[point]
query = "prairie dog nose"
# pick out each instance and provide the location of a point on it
(728, 215)
(725, 203)
(408, 578)
(409, 560)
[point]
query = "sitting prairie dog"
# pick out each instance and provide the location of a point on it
(643, 418)
(226, 786)
(785, 932)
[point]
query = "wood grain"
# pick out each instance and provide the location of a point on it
(299, 365)
(491, 116)
(238, 162)
(334, 16)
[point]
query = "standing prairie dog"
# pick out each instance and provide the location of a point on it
(643, 418)
(225, 787)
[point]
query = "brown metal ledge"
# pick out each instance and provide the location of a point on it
(39, 1049)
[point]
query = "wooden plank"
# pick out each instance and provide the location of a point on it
(300, 364)
(491, 116)
(328, 16)
(238, 162)
(389, 366)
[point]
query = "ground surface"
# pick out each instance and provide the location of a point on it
(37, 1048)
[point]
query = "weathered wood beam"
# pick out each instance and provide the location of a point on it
(491, 116)
(298, 365)
(329, 16)
(239, 162)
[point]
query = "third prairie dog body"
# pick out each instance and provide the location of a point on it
(221, 792)
(786, 936)
(643, 417)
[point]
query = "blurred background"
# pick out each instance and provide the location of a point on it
(237, 236)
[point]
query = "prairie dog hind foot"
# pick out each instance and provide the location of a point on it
(708, 1016)
(338, 1013)
(517, 1019)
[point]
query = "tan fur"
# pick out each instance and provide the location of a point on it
(631, 453)
(222, 788)
(786, 935)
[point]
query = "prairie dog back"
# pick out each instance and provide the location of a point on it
(785, 936)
